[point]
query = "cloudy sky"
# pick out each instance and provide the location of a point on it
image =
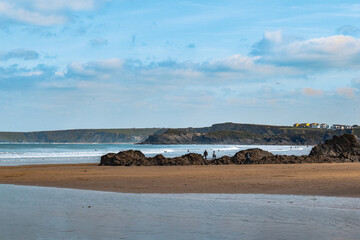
(68, 64)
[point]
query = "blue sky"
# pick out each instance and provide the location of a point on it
(118, 64)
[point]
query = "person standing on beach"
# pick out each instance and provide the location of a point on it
(214, 155)
(205, 154)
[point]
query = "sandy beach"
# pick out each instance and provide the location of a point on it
(299, 179)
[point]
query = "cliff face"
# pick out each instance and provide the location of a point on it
(80, 136)
(230, 133)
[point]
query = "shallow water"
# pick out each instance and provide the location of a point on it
(52, 213)
(22, 154)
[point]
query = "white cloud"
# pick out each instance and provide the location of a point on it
(31, 74)
(14, 73)
(236, 68)
(59, 74)
(333, 52)
(43, 12)
(76, 68)
(186, 86)
(275, 36)
(13, 12)
(339, 45)
(235, 62)
(108, 64)
(101, 69)
(76, 5)
(24, 54)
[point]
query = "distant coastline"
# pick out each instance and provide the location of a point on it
(77, 136)
(222, 133)
(247, 134)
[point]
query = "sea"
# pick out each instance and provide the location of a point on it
(30, 212)
(13, 154)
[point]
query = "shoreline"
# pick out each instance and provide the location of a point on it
(321, 179)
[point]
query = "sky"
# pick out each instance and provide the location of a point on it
(68, 64)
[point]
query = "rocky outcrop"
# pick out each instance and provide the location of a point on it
(137, 158)
(125, 158)
(343, 148)
(256, 155)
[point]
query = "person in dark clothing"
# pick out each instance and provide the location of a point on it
(247, 158)
(205, 154)
(214, 155)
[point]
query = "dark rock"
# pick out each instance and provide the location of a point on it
(339, 148)
(256, 156)
(137, 158)
(125, 158)
(224, 160)
(107, 159)
(190, 159)
(158, 160)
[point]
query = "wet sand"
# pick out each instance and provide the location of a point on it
(300, 179)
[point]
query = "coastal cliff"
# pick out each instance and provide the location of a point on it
(223, 133)
(80, 136)
(246, 134)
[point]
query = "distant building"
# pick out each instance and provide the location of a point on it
(324, 126)
(302, 125)
(315, 125)
(337, 126)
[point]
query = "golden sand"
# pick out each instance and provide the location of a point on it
(305, 179)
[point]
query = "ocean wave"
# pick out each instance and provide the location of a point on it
(50, 155)
(157, 151)
(15, 154)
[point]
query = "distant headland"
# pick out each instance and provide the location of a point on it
(249, 134)
(221, 133)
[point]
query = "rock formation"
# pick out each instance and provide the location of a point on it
(137, 158)
(125, 158)
(343, 148)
